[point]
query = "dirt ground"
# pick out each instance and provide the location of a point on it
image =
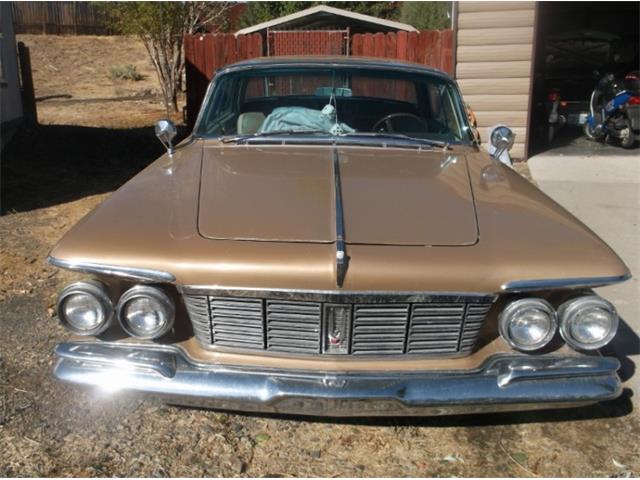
(51, 177)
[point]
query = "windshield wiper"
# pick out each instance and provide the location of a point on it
(400, 136)
(272, 133)
(385, 135)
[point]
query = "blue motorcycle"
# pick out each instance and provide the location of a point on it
(614, 112)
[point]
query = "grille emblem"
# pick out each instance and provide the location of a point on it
(336, 329)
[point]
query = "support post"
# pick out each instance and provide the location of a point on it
(28, 92)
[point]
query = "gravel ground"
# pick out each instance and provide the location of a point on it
(54, 175)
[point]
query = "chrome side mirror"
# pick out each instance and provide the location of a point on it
(166, 131)
(501, 139)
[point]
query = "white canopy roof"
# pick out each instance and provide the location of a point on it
(301, 18)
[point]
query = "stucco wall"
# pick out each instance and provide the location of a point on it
(494, 48)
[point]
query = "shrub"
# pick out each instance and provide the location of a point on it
(125, 72)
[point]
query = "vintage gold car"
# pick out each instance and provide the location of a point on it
(331, 240)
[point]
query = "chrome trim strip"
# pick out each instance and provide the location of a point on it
(342, 260)
(130, 358)
(130, 273)
(580, 282)
(339, 296)
(503, 382)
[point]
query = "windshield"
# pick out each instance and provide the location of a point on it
(334, 101)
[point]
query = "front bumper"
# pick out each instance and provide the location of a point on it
(502, 383)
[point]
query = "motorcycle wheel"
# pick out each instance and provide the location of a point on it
(588, 131)
(627, 139)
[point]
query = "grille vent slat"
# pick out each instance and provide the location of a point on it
(289, 326)
(237, 322)
(198, 308)
(369, 318)
(293, 326)
(435, 328)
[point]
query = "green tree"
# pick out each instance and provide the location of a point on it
(426, 15)
(258, 12)
(161, 26)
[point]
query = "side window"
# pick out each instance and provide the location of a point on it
(224, 106)
(442, 109)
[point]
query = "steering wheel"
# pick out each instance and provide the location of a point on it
(388, 126)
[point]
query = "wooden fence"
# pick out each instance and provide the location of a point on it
(431, 47)
(59, 18)
(205, 54)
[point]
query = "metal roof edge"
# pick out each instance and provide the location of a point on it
(326, 9)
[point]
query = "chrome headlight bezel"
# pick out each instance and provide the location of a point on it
(517, 306)
(571, 309)
(154, 293)
(94, 289)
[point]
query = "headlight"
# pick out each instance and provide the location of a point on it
(85, 308)
(528, 324)
(146, 312)
(588, 323)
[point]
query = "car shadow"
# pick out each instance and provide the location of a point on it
(625, 344)
(53, 164)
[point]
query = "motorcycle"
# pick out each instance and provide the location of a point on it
(614, 112)
(555, 119)
(561, 113)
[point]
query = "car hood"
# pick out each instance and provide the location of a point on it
(287, 194)
(151, 223)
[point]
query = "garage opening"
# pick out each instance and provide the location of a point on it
(576, 45)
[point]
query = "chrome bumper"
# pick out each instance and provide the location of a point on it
(503, 383)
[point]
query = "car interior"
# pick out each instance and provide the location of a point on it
(424, 109)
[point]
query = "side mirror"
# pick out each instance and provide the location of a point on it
(501, 139)
(166, 131)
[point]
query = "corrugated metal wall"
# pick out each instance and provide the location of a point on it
(493, 63)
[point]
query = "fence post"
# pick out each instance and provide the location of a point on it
(28, 93)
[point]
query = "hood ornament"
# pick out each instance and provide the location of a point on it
(336, 327)
(342, 260)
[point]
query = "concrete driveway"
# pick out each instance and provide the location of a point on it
(601, 186)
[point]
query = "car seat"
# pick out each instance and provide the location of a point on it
(249, 122)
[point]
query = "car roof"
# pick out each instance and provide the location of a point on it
(340, 61)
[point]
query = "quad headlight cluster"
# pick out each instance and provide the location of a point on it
(585, 323)
(85, 308)
(143, 311)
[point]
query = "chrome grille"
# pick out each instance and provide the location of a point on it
(237, 322)
(293, 327)
(472, 324)
(377, 327)
(198, 308)
(435, 328)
